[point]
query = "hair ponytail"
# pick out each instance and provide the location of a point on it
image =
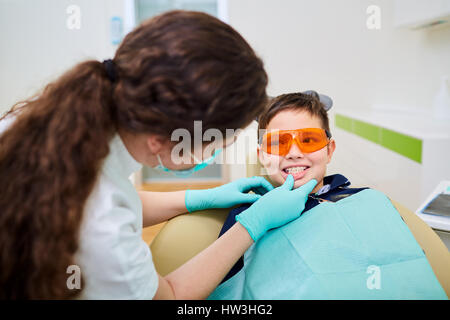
(49, 160)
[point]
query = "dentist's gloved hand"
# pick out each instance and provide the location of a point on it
(228, 195)
(276, 208)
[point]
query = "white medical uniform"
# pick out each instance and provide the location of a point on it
(114, 261)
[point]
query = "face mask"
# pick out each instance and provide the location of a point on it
(187, 172)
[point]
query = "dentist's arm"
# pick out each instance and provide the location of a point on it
(158, 207)
(198, 277)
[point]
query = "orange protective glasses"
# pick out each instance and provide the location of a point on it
(308, 140)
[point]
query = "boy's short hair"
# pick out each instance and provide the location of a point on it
(294, 102)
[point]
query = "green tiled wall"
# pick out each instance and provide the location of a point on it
(403, 144)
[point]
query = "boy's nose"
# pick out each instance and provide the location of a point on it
(294, 152)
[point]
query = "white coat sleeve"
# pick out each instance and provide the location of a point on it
(120, 262)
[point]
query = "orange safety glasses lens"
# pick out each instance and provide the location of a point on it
(308, 140)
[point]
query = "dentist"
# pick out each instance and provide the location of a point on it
(67, 154)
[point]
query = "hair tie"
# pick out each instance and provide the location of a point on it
(110, 69)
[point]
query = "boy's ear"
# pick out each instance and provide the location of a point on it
(260, 155)
(261, 159)
(330, 149)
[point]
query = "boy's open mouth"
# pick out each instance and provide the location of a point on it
(297, 171)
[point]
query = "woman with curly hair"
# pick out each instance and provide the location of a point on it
(66, 156)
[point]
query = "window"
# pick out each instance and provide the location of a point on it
(145, 9)
(149, 8)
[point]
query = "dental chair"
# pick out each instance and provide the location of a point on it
(186, 235)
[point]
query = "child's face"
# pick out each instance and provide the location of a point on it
(315, 162)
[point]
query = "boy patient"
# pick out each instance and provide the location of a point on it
(329, 250)
(297, 141)
(341, 236)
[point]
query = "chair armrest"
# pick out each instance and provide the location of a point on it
(185, 236)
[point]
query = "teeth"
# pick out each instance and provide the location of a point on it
(294, 169)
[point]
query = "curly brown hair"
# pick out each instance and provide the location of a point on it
(173, 69)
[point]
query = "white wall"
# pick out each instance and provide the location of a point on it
(36, 45)
(321, 44)
(325, 45)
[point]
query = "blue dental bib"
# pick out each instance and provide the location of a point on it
(356, 248)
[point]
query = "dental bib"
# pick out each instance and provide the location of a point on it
(356, 248)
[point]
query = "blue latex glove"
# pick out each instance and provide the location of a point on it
(276, 208)
(228, 195)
